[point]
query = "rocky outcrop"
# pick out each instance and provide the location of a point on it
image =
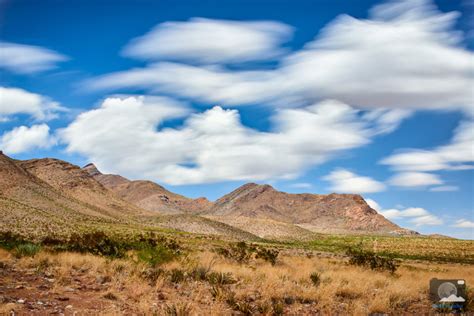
(332, 212)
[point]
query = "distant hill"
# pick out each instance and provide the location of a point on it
(45, 196)
(319, 213)
(149, 195)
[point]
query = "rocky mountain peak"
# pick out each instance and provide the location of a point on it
(91, 169)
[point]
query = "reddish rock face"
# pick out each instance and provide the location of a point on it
(330, 212)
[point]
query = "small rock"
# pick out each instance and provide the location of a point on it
(69, 289)
(20, 301)
(68, 306)
(19, 287)
(40, 303)
(62, 298)
(50, 280)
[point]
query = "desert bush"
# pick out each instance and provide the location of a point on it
(156, 255)
(200, 273)
(9, 241)
(177, 275)
(315, 278)
(220, 278)
(26, 249)
(269, 255)
(97, 243)
(240, 252)
(360, 257)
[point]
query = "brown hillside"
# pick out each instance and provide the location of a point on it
(336, 212)
(149, 195)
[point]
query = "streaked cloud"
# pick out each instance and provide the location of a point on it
(444, 188)
(347, 56)
(27, 59)
(414, 179)
(211, 41)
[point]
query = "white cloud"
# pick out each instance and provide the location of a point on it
(345, 181)
(427, 220)
(464, 223)
(414, 179)
(444, 188)
(211, 41)
(23, 139)
(373, 204)
(18, 101)
(122, 136)
(346, 58)
(25, 59)
(457, 155)
(417, 216)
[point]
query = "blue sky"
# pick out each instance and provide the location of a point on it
(364, 97)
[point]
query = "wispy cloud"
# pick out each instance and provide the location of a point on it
(349, 55)
(27, 59)
(211, 41)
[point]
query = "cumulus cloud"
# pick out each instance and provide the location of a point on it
(464, 223)
(123, 136)
(19, 101)
(26, 59)
(347, 57)
(417, 216)
(211, 41)
(344, 181)
(414, 179)
(23, 139)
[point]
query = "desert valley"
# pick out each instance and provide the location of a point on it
(77, 240)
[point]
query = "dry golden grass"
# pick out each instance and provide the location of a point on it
(95, 284)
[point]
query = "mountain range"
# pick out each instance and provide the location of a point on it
(51, 196)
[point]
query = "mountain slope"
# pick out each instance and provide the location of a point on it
(30, 205)
(44, 197)
(149, 195)
(333, 212)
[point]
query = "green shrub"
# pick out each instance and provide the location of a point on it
(269, 255)
(26, 249)
(240, 252)
(315, 278)
(97, 243)
(360, 257)
(156, 255)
